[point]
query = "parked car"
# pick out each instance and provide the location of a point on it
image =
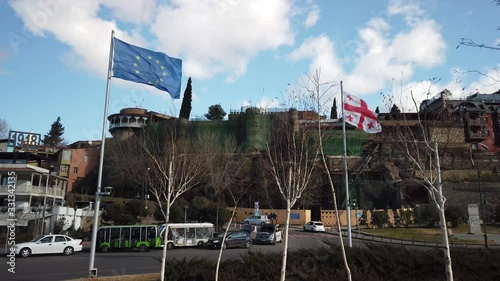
(233, 239)
(49, 244)
(314, 226)
(257, 220)
(269, 234)
(251, 229)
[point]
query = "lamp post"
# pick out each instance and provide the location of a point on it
(482, 206)
(185, 212)
(143, 193)
(217, 220)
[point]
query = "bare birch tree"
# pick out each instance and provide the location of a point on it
(176, 166)
(320, 92)
(225, 173)
(418, 142)
(291, 156)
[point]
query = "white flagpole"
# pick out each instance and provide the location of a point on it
(92, 270)
(348, 207)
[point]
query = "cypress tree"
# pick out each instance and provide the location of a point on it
(333, 112)
(186, 101)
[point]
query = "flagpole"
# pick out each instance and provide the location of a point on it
(92, 270)
(348, 207)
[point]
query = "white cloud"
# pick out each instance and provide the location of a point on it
(218, 37)
(322, 53)
(488, 82)
(410, 11)
(381, 54)
(211, 37)
(312, 17)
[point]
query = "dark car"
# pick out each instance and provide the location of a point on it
(233, 239)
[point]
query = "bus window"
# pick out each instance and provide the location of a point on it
(136, 235)
(115, 237)
(125, 238)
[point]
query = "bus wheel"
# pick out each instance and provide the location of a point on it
(170, 246)
(201, 244)
(143, 248)
(104, 249)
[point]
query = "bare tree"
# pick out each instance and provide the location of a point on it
(321, 91)
(419, 145)
(291, 157)
(225, 172)
(174, 166)
(4, 128)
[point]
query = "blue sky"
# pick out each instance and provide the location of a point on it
(53, 57)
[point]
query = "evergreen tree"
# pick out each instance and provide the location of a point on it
(54, 136)
(333, 113)
(186, 101)
(215, 112)
(377, 110)
(395, 109)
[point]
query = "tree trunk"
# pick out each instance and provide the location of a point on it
(165, 240)
(222, 242)
(285, 249)
(442, 217)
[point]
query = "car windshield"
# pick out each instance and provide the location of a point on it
(267, 229)
(221, 235)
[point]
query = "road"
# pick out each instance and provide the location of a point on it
(58, 267)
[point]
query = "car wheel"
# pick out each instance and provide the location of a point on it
(201, 244)
(143, 248)
(224, 246)
(248, 244)
(104, 249)
(170, 246)
(25, 252)
(68, 251)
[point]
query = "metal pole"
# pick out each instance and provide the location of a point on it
(482, 205)
(217, 221)
(92, 270)
(347, 207)
(185, 214)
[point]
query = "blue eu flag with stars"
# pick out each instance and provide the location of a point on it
(148, 67)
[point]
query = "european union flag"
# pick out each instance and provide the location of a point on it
(148, 67)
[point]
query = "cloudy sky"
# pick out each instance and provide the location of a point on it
(54, 54)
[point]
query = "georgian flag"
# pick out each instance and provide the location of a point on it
(356, 113)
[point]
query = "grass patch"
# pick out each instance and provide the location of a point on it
(426, 234)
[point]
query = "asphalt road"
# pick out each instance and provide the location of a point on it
(58, 267)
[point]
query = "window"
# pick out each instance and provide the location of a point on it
(66, 155)
(63, 169)
(86, 158)
(60, 239)
(47, 239)
(75, 170)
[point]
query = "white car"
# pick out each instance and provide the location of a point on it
(314, 226)
(49, 244)
(256, 220)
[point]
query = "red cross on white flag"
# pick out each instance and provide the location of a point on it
(356, 113)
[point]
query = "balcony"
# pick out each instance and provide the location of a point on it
(478, 134)
(478, 122)
(28, 189)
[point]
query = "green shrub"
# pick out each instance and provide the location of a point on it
(379, 218)
(455, 214)
(426, 215)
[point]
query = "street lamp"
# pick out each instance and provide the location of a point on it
(217, 220)
(185, 212)
(143, 192)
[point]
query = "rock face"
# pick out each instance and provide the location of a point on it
(474, 223)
